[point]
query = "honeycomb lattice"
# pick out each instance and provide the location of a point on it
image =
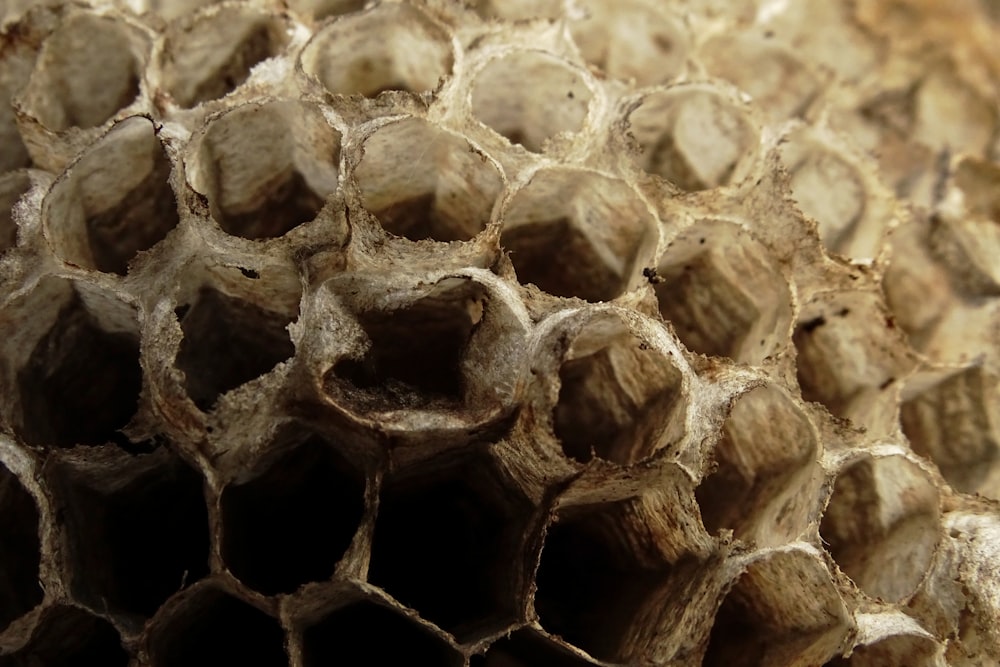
(500, 333)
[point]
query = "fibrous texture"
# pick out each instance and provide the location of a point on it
(499, 333)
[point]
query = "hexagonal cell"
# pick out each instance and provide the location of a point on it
(211, 627)
(388, 47)
(528, 648)
(775, 77)
(950, 114)
(849, 357)
(423, 182)
(601, 569)
(209, 54)
(136, 528)
(228, 341)
(69, 637)
(266, 168)
(764, 621)
(694, 137)
(764, 468)
(949, 417)
(20, 549)
(633, 40)
(291, 523)
(416, 354)
(13, 186)
(75, 368)
(724, 293)
(324, 9)
(368, 633)
(530, 97)
(578, 234)
(619, 400)
(88, 69)
(450, 541)
(882, 525)
(114, 201)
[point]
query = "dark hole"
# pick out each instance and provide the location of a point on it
(589, 584)
(449, 547)
(228, 342)
(250, 273)
(70, 637)
(415, 356)
(141, 219)
(289, 203)
(525, 648)
(737, 638)
(136, 547)
(417, 218)
(293, 523)
(558, 259)
(81, 383)
(257, 46)
(217, 629)
(19, 550)
(813, 324)
(365, 633)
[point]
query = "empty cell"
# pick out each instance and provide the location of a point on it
(882, 525)
(291, 523)
(13, 186)
(530, 97)
(266, 168)
(450, 543)
(88, 69)
(422, 182)
(208, 54)
(70, 637)
(724, 294)
(765, 621)
(136, 528)
(632, 40)
(211, 628)
(80, 383)
(324, 9)
(619, 400)
(388, 47)
(578, 234)
(897, 651)
(950, 419)
(416, 352)
(850, 356)
(19, 549)
(114, 201)
(767, 444)
(694, 137)
(597, 575)
(528, 648)
(228, 342)
(367, 633)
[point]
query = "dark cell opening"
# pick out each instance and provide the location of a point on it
(558, 258)
(136, 544)
(228, 342)
(291, 524)
(449, 543)
(81, 384)
(416, 352)
(287, 203)
(70, 637)
(591, 582)
(525, 648)
(19, 550)
(365, 633)
(738, 639)
(142, 218)
(215, 629)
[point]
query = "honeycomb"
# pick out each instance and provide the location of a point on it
(500, 333)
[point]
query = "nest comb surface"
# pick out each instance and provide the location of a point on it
(499, 333)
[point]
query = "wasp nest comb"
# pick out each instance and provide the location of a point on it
(500, 333)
